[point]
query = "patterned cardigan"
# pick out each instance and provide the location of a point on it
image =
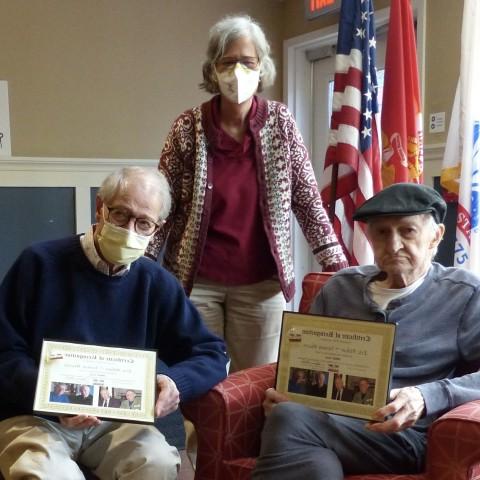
(287, 183)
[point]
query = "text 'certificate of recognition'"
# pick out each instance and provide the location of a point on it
(108, 382)
(336, 365)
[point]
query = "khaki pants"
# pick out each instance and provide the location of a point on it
(248, 317)
(36, 448)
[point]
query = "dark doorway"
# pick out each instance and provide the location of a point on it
(446, 248)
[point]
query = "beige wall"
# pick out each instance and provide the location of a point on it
(106, 78)
(442, 62)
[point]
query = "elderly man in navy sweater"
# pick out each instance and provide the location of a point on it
(98, 288)
(436, 310)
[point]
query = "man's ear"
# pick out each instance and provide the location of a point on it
(438, 235)
(98, 208)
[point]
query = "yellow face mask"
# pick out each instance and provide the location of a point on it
(120, 246)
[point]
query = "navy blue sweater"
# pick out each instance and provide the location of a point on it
(52, 291)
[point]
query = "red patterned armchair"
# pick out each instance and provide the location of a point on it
(229, 421)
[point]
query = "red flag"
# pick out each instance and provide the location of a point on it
(402, 122)
(353, 140)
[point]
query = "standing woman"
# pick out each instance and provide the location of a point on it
(237, 167)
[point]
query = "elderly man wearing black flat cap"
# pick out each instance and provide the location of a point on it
(437, 312)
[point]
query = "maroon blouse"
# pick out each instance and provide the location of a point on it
(236, 250)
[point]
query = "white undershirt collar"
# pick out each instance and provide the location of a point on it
(383, 296)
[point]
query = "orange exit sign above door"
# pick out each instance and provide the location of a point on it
(316, 8)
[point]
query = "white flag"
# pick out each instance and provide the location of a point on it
(461, 164)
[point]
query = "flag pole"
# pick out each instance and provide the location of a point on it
(333, 193)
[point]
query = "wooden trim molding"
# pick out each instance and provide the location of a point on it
(29, 171)
(79, 173)
(433, 151)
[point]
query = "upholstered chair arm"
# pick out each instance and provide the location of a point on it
(454, 444)
(229, 420)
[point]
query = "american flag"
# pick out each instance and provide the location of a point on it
(353, 140)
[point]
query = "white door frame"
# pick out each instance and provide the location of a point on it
(297, 94)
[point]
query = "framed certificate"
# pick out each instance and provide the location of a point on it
(108, 382)
(336, 365)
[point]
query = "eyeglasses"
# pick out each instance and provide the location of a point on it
(121, 218)
(228, 63)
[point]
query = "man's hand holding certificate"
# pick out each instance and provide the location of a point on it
(168, 396)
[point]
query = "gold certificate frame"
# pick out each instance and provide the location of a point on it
(108, 382)
(336, 365)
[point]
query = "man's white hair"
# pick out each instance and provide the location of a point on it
(150, 178)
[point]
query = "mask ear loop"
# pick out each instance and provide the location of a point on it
(103, 214)
(260, 75)
(215, 77)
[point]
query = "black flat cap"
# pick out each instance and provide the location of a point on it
(403, 199)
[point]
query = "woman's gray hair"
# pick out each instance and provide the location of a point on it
(224, 32)
(150, 178)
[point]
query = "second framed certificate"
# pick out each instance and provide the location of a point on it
(336, 365)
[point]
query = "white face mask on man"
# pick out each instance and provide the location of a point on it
(239, 83)
(121, 246)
